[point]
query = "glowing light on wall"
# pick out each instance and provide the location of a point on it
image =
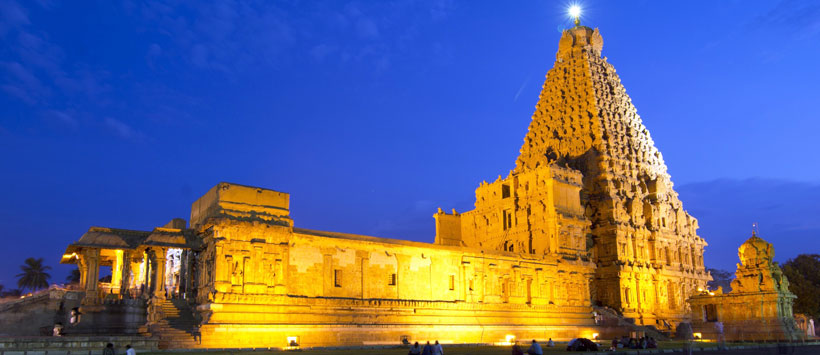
(293, 343)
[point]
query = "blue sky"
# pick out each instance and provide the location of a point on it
(373, 114)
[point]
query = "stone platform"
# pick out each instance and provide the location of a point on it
(90, 345)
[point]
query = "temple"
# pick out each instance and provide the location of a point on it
(759, 306)
(587, 222)
(627, 219)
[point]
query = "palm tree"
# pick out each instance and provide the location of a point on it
(73, 277)
(34, 275)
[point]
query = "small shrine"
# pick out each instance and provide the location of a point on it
(759, 306)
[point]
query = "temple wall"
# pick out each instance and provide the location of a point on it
(262, 281)
(759, 307)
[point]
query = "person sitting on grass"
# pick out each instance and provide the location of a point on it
(535, 349)
(516, 350)
(615, 344)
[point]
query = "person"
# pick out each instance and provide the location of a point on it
(684, 332)
(75, 316)
(58, 330)
(437, 350)
(129, 350)
(615, 343)
(652, 344)
(720, 338)
(642, 344)
(415, 350)
(109, 349)
(550, 343)
(535, 349)
(428, 350)
(516, 350)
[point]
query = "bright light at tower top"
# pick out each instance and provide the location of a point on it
(575, 12)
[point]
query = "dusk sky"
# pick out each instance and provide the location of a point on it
(372, 114)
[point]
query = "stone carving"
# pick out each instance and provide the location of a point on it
(588, 167)
(759, 307)
(587, 215)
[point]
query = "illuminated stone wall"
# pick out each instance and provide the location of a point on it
(759, 307)
(537, 213)
(261, 281)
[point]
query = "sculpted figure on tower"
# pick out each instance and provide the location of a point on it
(609, 196)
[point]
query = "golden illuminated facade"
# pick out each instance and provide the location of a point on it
(261, 280)
(759, 306)
(627, 218)
(587, 216)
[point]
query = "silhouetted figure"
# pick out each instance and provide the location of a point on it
(428, 350)
(437, 350)
(415, 350)
(109, 349)
(535, 349)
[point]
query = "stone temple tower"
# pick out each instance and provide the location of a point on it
(648, 257)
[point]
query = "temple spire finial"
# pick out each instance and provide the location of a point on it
(575, 12)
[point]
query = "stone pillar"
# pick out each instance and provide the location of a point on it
(117, 270)
(183, 272)
(126, 273)
(147, 257)
(365, 291)
(90, 262)
(190, 274)
(159, 272)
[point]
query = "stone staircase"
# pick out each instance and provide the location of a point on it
(612, 318)
(177, 328)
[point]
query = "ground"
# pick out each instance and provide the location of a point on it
(454, 350)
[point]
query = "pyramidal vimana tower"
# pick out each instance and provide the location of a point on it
(587, 218)
(586, 132)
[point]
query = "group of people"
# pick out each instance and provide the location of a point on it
(428, 349)
(109, 350)
(534, 349)
(632, 343)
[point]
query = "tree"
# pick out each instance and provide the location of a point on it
(804, 281)
(720, 278)
(11, 293)
(73, 277)
(34, 275)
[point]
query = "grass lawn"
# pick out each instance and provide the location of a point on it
(560, 348)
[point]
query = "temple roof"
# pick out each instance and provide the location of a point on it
(584, 112)
(122, 239)
(755, 251)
